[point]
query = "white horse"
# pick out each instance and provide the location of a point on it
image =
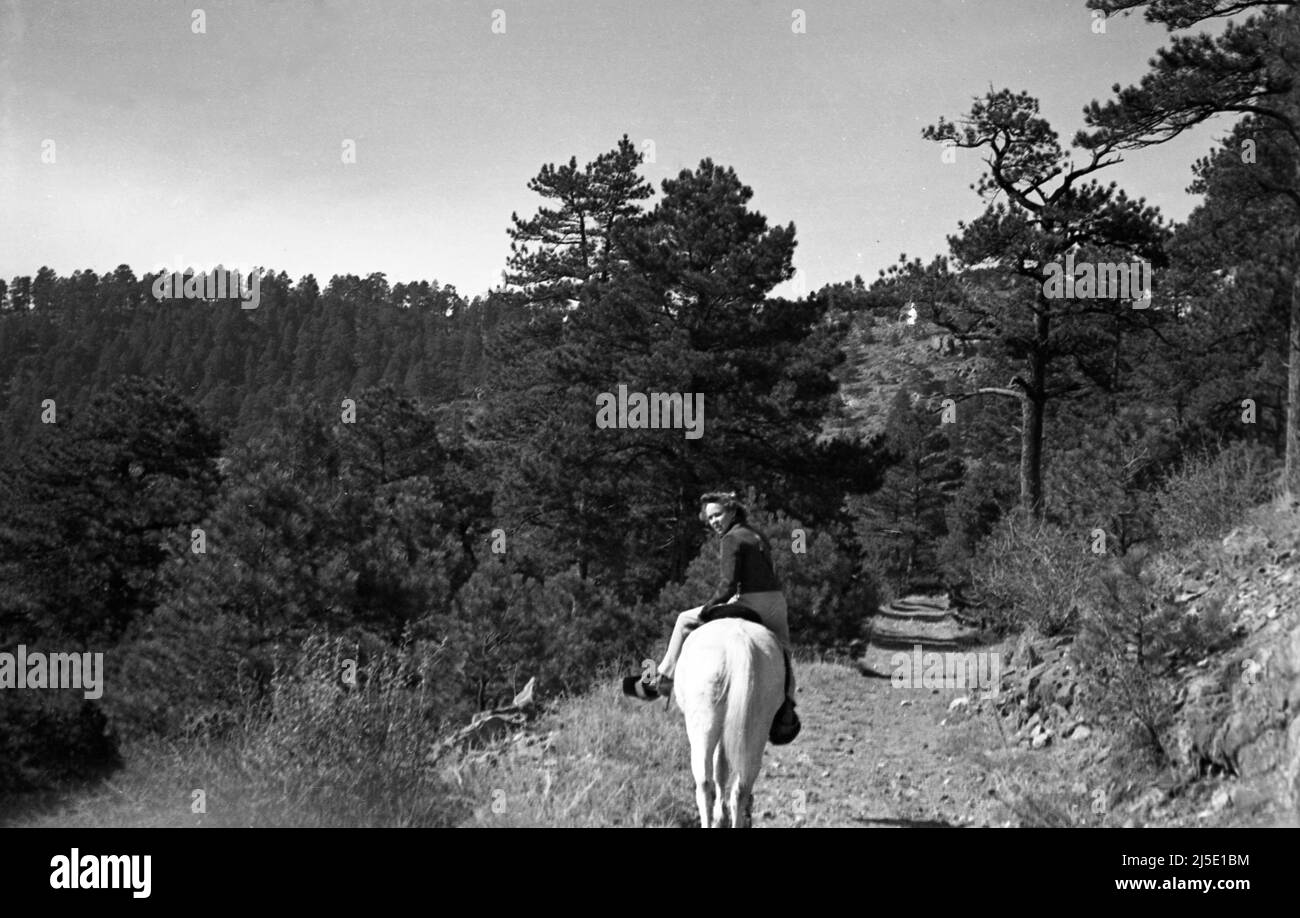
(730, 682)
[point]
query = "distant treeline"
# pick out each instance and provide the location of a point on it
(67, 338)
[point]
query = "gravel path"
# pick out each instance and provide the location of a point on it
(873, 754)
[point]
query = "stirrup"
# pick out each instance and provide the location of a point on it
(661, 684)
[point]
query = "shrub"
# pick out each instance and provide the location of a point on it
(1131, 639)
(507, 628)
(48, 738)
(180, 670)
(323, 751)
(1124, 654)
(975, 509)
(1212, 492)
(1032, 573)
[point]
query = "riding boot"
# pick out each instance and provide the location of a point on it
(650, 685)
(786, 725)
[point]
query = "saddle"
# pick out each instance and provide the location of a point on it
(730, 610)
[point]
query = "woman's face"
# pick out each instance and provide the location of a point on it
(719, 517)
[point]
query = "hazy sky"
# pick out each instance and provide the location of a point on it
(173, 148)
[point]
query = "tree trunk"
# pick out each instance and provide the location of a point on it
(1291, 482)
(1031, 455)
(1291, 468)
(1032, 404)
(582, 541)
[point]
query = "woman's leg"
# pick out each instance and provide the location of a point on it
(686, 623)
(771, 608)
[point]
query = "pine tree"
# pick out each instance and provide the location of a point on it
(553, 254)
(686, 312)
(902, 524)
(91, 512)
(995, 289)
(1249, 68)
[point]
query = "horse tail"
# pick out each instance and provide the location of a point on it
(742, 720)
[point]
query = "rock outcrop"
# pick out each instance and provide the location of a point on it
(1235, 709)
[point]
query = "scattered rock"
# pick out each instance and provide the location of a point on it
(1026, 656)
(1149, 799)
(1244, 545)
(1248, 800)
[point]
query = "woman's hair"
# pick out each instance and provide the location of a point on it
(729, 501)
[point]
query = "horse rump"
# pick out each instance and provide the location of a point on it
(730, 684)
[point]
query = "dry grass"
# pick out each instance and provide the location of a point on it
(323, 755)
(610, 761)
(316, 753)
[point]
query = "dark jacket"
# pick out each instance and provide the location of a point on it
(746, 564)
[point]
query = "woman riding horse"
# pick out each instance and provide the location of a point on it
(747, 578)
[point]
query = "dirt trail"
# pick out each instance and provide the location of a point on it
(873, 754)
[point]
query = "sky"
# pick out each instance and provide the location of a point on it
(180, 142)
